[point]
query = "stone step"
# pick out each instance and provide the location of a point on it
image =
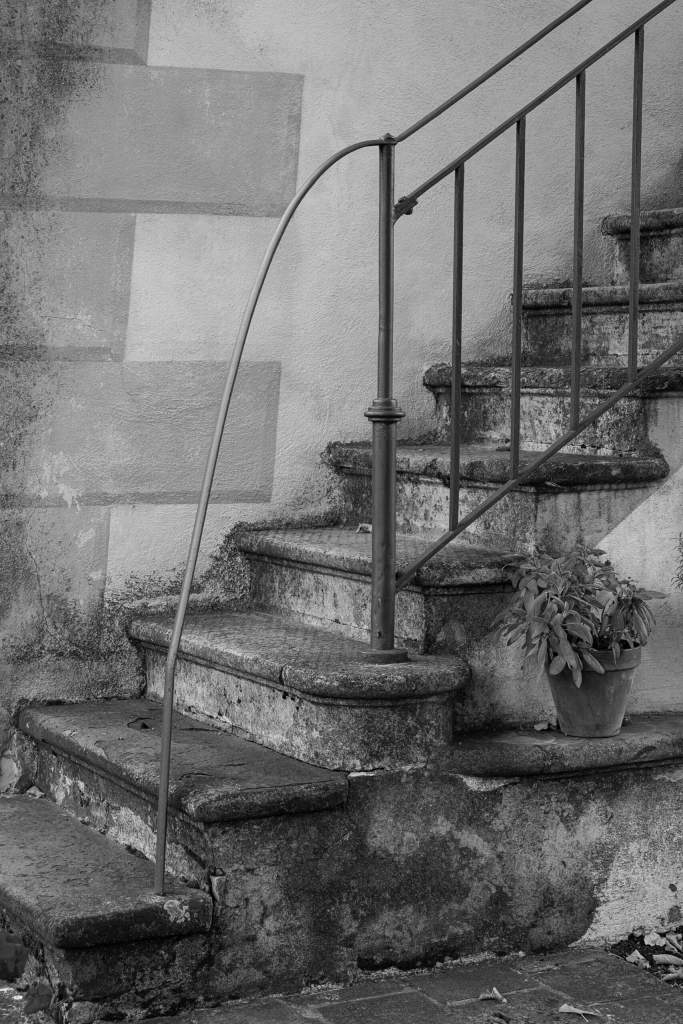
(322, 577)
(661, 245)
(98, 937)
(571, 499)
(545, 406)
(305, 691)
(100, 761)
(547, 335)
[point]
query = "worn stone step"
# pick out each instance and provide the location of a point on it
(571, 499)
(305, 691)
(547, 335)
(322, 577)
(511, 753)
(100, 760)
(545, 406)
(97, 935)
(661, 245)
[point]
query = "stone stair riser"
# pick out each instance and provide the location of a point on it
(547, 339)
(428, 620)
(557, 518)
(336, 734)
(544, 416)
(398, 875)
(118, 981)
(661, 256)
(112, 808)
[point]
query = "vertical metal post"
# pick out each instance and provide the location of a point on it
(384, 414)
(456, 343)
(577, 282)
(517, 276)
(636, 148)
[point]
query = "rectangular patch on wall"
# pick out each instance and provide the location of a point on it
(108, 30)
(65, 282)
(109, 433)
(121, 138)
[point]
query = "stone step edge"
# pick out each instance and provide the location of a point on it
(486, 568)
(131, 914)
(561, 472)
(667, 294)
(651, 222)
(644, 740)
(596, 381)
(216, 807)
(359, 683)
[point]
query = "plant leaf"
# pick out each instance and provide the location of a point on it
(592, 663)
(556, 665)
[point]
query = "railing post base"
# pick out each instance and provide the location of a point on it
(384, 414)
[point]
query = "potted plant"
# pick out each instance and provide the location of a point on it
(585, 627)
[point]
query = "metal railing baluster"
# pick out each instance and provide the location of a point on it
(456, 342)
(384, 414)
(636, 150)
(577, 280)
(517, 297)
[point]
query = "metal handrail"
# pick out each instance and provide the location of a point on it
(203, 503)
(384, 412)
(407, 203)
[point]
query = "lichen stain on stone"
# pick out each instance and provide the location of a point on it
(35, 96)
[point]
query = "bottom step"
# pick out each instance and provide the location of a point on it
(86, 910)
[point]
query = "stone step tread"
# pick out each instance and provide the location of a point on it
(302, 659)
(215, 776)
(596, 380)
(650, 221)
(644, 739)
(350, 551)
(651, 295)
(75, 888)
(486, 463)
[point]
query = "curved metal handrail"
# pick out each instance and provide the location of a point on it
(205, 493)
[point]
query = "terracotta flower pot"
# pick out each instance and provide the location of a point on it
(597, 707)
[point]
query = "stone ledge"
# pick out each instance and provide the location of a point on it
(341, 551)
(291, 657)
(651, 222)
(482, 463)
(668, 294)
(77, 889)
(215, 776)
(595, 380)
(644, 740)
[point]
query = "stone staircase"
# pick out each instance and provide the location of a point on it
(327, 812)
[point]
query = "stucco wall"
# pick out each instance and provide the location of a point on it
(152, 147)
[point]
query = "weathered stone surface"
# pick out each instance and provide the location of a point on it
(548, 323)
(572, 499)
(307, 692)
(89, 30)
(487, 463)
(661, 245)
(215, 776)
(68, 275)
(162, 139)
(85, 440)
(643, 739)
(545, 406)
(76, 889)
(323, 577)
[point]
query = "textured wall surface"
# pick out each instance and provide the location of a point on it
(104, 435)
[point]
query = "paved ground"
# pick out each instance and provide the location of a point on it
(549, 989)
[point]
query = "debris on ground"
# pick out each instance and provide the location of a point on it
(659, 951)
